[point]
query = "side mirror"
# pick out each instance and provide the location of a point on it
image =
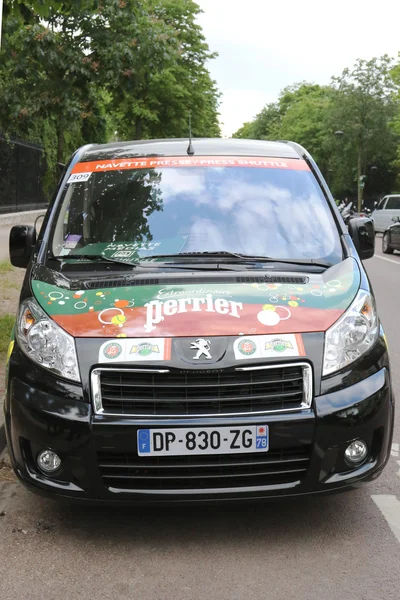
(362, 232)
(22, 242)
(396, 219)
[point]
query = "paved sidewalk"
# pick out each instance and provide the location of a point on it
(4, 233)
(7, 221)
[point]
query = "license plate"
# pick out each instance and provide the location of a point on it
(202, 440)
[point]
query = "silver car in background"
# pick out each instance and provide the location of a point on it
(383, 214)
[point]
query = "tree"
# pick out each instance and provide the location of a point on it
(76, 71)
(360, 104)
(184, 85)
(299, 115)
(304, 110)
(363, 110)
(266, 125)
(155, 68)
(245, 132)
(395, 124)
(48, 93)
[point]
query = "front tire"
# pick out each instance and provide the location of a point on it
(386, 249)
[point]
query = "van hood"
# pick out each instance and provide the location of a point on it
(250, 306)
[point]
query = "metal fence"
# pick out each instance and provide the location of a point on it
(22, 170)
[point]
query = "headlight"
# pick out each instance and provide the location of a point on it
(352, 335)
(45, 342)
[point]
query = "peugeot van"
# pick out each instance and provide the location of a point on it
(196, 324)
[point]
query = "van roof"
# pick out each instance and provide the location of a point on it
(178, 147)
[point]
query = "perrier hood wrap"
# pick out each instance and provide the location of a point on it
(203, 310)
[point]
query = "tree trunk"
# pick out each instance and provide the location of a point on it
(360, 190)
(138, 128)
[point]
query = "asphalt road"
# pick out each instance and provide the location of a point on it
(343, 547)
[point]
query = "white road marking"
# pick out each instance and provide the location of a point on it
(398, 472)
(396, 262)
(390, 508)
(395, 450)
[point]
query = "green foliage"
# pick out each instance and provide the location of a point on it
(364, 108)
(6, 325)
(395, 123)
(361, 104)
(153, 65)
(266, 125)
(185, 85)
(47, 95)
(5, 266)
(245, 131)
(83, 71)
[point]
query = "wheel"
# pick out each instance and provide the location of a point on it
(386, 249)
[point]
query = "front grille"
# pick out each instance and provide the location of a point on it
(172, 393)
(129, 472)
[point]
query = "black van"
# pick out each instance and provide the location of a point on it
(196, 324)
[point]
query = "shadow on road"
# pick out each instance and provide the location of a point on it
(288, 520)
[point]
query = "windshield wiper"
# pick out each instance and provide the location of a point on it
(238, 259)
(293, 261)
(246, 258)
(97, 257)
(221, 254)
(101, 258)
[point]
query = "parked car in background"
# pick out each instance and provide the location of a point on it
(391, 237)
(383, 214)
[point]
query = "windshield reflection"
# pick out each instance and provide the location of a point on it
(271, 212)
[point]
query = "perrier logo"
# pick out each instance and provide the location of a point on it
(279, 345)
(144, 349)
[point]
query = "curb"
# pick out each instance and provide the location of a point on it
(3, 441)
(17, 218)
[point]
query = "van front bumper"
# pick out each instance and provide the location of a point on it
(91, 446)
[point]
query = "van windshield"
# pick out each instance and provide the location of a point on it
(133, 213)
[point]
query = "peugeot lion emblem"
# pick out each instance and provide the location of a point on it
(203, 347)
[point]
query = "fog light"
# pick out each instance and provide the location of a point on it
(356, 452)
(48, 461)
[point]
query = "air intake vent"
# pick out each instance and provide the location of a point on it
(126, 471)
(188, 280)
(274, 279)
(121, 282)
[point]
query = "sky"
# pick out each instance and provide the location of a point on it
(265, 45)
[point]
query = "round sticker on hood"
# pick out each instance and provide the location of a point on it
(247, 347)
(112, 350)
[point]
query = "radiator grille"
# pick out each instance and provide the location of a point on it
(278, 466)
(168, 393)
